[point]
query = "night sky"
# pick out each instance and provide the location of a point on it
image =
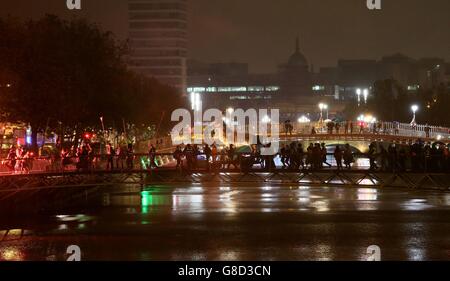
(262, 32)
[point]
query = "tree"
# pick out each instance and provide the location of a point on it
(71, 72)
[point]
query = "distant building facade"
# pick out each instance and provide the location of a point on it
(158, 40)
(223, 85)
(351, 75)
(297, 90)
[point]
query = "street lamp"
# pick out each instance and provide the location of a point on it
(414, 109)
(325, 106)
(366, 95)
(358, 93)
(321, 107)
(303, 119)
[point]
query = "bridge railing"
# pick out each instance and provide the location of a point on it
(242, 160)
(386, 128)
(395, 129)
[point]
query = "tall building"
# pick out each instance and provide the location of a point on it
(158, 40)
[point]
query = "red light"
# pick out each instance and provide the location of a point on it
(87, 136)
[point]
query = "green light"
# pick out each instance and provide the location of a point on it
(146, 201)
(144, 163)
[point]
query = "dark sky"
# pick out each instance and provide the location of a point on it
(262, 32)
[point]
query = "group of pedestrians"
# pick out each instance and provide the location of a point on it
(315, 157)
(416, 157)
(84, 158)
(216, 158)
(19, 160)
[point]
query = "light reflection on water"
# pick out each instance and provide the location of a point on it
(288, 222)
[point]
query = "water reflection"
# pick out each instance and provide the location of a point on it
(11, 254)
(247, 222)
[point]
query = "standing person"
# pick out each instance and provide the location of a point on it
(195, 158)
(231, 155)
(223, 158)
(207, 151)
(351, 127)
(189, 154)
(300, 155)
(346, 127)
(338, 156)
(11, 159)
(427, 131)
(384, 156)
(110, 153)
(330, 126)
(152, 157)
(396, 128)
(348, 156)
(309, 156)
(372, 156)
(214, 153)
(324, 153)
(130, 157)
(122, 156)
(393, 158)
(178, 153)
(337, 127)
(379, 127)
(317, 156)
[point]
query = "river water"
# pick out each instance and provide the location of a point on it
(235, 222)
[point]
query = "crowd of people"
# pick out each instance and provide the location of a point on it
(417, 156)
(19, 160)
(85, 159)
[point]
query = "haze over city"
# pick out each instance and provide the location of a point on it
(262, 32)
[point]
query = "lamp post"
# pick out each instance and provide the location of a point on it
(366, 95)
(414, 109)
(326, 108)
(321, 107)
(358, 94)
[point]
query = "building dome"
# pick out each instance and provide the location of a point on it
(297, 59)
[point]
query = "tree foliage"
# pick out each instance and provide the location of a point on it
(71, 72)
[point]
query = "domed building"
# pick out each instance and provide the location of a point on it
(295, 78)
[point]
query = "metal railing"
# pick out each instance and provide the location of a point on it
(241, 162)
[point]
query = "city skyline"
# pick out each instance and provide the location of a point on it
(235, 34)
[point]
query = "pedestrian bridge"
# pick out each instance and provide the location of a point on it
(29, 184)
(359, 137)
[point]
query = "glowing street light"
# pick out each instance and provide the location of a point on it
(196, 101)
(414, 109)
(303, 119)
(366, 95)
(230, 110)
(358, 93)
(322, 106)
(326, 108)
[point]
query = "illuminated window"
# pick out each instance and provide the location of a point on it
(239, 98)
(413, 87)
(256, 89)
(318, 88)
(232, 89)
(272, 88)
